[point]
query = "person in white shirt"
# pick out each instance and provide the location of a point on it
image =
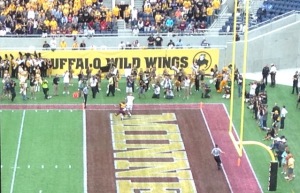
(135, 31)
(94, 84)
(283, 113)
(186, 85)
(122, 45)
(53, 44)
(66, 81)
(273, 72)
(129, 103)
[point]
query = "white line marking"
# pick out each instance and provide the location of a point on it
(212, 139)
(244, 151)
(17, 154)
(84, 152)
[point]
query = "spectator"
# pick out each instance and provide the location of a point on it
(53, 44)
(151, 41)
(75, 45)
(136, 44)
(204, 43)
(82, 45)
(140, 25)
(147, 25)
(134, 22)
(122, 45)
(158, 41)
(171, 44)
(134, 13)
(46, 46)
(216, 4)
(135, 31)
(169, 24)
(179, 44)
(63, 44)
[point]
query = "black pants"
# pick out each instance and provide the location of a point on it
(94, 91)
(84, 99)
(45, 91)
(197, 85)
(279, 158)
(218, 160)
(13, 96)
(295, 86)
(111, 89)
(273, 81)
(282, 122)
(265, 79)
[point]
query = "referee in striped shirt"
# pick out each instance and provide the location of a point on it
(216, 151)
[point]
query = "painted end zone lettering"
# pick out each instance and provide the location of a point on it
(147, 163)
(126, 59)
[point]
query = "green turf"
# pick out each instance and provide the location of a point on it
(49, 139)
(258, 156)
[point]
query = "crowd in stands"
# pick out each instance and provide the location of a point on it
(186, 16)
(92, 17)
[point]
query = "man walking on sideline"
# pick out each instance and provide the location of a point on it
(216, 151)
(85, 94)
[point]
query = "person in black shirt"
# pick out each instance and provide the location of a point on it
(151, 41)
(295, 82)
(82, 45)
(265, 74)
(46, 45)
(171, 44)
(55, 85)
(158, 41)
(32, 84)
(13, 90)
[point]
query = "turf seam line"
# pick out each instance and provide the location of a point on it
(85, 188)
(17, 153)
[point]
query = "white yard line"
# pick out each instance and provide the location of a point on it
(17, 154)
(84, 152)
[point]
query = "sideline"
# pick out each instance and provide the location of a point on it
(17, 154)
(244, 151)
(84, 151)
(208, 129)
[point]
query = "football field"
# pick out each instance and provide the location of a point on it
(42, 151)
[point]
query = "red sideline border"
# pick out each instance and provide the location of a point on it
(241, 178)
(95, 106)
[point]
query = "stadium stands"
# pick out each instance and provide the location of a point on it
(91, 17)
(269, 10)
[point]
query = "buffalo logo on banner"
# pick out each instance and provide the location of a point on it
(204, 60)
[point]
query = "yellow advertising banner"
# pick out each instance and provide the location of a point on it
(125, 59)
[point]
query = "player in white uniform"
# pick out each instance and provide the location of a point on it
(129, 103)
